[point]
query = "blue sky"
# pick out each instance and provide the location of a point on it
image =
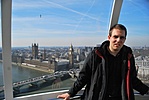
(77, 22)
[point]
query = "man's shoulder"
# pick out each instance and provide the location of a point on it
(127, 49)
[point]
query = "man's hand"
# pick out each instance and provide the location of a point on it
(64, 96)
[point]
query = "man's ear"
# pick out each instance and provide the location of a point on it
(109, 37)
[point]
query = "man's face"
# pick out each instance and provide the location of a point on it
(116, 39)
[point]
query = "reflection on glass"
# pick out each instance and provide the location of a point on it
(52, 38)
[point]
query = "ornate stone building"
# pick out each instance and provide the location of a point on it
(34, 51)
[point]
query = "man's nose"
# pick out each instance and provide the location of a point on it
(118, 39)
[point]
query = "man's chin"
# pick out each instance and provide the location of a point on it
(116, 49)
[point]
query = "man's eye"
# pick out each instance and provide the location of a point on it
(122, 37)
(115, 37)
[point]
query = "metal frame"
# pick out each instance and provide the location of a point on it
(6, 47)
(117, 4)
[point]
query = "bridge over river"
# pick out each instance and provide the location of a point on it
(37, 83)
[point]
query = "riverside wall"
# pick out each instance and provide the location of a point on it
(35, 65)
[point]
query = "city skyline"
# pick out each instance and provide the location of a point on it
(77, 22)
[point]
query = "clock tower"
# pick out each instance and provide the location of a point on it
(71, 57)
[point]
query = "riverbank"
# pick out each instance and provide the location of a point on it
(34, 67)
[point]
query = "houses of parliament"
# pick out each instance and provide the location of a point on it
(49, 59)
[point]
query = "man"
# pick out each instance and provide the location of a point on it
(109, 71)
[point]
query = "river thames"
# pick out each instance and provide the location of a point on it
(21, 73)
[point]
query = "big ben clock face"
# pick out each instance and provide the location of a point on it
(70, 53)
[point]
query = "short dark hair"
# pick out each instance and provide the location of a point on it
(118, 26)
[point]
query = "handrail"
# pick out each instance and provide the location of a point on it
(78, 96)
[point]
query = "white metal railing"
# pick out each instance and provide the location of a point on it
(53, 95)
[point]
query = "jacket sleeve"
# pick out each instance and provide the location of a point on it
(83, 78)
(137, 83)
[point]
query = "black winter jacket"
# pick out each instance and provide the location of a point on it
(95, 71)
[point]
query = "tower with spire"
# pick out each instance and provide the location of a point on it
(71, 57)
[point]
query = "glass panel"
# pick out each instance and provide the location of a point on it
(43, 32)
(135, 15)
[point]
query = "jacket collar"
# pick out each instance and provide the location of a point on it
(103, 48)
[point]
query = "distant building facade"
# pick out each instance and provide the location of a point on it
(34, 51)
